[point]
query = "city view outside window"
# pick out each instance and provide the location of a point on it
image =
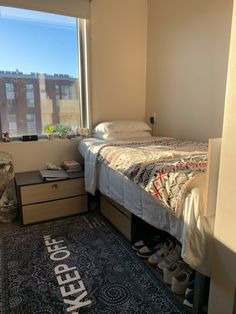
(39, 73)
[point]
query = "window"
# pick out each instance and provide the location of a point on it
(57, 87)
(10, 95)
(31, 123)
(30, 95)
(45, 73)
(10, 91)
(66, 91)
(73, 92)
(12, 124)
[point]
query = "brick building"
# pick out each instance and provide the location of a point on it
(28, 102)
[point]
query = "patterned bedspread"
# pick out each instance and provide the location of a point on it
(162, 167)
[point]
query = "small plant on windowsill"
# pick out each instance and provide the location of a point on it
(50, 129)
(63, 130)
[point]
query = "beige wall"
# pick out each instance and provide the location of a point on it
(188, 44)
(223, 280)
(118, 59)
(28, 156)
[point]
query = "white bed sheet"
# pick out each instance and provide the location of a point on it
(192, 229)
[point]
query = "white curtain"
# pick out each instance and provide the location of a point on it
(76, 8)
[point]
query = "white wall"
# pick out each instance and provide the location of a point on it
(118, 59)
(188, 43)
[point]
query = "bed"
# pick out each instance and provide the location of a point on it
(121, 170)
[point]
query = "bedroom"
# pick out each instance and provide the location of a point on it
(125, 52)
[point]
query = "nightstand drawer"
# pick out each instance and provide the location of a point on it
(54, 209)
(51, 191)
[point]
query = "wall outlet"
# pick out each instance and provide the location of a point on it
(154, 115)
(153, 118)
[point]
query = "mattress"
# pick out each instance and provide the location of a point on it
(85, 144)
(192, 229)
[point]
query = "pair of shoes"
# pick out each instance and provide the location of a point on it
(180, 281)
(172, 256)
(189, 296)
(151, 242)
(190, 287)
(138, 245)
(145, 248)
(188, 301)
(173, 270)
(156, 258)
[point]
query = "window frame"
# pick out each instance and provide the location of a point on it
(83, 78)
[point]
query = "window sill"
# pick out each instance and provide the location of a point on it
(42, 140)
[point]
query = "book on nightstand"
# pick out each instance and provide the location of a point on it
(71, 166)
(53, 175)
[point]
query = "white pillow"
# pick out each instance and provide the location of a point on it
(121, 126)
(121, 135)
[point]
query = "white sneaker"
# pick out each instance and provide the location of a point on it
(180, 282)
(172, 270)
(155, 258)
(172, 257)
(190, 287)
(188, 301)
(147, 251)
(138, 245)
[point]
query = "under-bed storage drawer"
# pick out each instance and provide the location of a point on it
(117, 216)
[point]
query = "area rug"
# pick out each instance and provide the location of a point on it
(77, 265)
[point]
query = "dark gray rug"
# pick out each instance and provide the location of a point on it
(77, 265)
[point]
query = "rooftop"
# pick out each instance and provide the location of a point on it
(33, 75)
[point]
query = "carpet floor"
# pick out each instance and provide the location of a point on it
(74, 265)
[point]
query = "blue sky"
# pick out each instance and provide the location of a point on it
(37, 42)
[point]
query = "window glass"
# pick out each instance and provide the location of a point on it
(31, 123)
(40, 77)
(10, 91)
(65, 92)
(12, 123)
(30, 95)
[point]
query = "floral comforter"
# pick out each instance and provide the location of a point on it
(162, 167)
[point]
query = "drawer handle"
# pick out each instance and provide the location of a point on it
(55, 186)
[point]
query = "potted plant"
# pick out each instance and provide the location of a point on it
(50, 129)
(62, 130)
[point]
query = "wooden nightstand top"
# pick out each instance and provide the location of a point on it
(34, 177)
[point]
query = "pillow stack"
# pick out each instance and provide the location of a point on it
(121, 130)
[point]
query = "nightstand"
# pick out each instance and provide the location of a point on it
(40, 201)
